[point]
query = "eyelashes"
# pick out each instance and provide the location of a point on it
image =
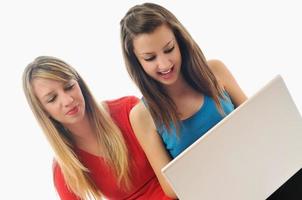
(169, 50)
(54, 97)
(166, 52)
(149, 59)
(69, 87)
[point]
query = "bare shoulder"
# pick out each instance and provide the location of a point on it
(220, 70)
(138, 112)
(141, 119)
(215, 64)
(227, 81)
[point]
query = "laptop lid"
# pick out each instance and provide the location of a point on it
(247, 155)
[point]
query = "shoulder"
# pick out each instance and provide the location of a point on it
(141, 119)
(122, 101)
(140, 113)
(58, 178)
(119, 110)
(219, 70)
(227, 81)
(55, 169)
(216, 65)
(121, 104)
(60, 184)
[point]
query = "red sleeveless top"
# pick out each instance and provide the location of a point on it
(145, 183)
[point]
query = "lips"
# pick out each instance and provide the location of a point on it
(166, 74)
(73, 111)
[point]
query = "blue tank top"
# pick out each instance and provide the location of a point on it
(195, 126)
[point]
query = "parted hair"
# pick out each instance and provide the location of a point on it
(145, 18)
(76, 175)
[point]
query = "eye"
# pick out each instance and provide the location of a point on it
(69, 87)
(52, 99)
(149, 58)
(169, 50)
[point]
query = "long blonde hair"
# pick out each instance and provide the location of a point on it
(146, 18)
(109, 135)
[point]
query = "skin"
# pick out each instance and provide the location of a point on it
(65, 103)
(160, 57)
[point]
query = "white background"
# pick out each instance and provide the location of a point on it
(255, 39)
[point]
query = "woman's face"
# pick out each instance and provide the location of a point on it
(159, 55)
(64, 102)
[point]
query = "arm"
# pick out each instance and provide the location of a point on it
(60, 185)
(228, 82)
(145, 131)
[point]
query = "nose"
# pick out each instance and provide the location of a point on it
(66, 99)
(163, 63)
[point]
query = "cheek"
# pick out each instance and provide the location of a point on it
(79, 94)
(177, 55)
(148, 66)
(81, 97)
(52, 111)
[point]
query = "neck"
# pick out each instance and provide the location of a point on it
(179, 89)
(83, 133)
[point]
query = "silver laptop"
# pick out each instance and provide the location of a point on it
(248, 155)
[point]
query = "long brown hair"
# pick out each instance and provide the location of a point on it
(109, 136)
(146, 18)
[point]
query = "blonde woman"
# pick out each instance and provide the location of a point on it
(96, 152)
(184, 95)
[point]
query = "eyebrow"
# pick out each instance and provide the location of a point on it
(51, 92)
(144, 53)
